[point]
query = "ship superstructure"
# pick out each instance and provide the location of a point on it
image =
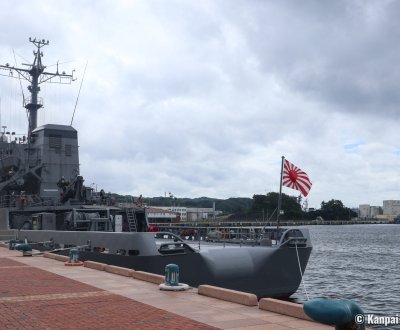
(40, 182)
(34, 165)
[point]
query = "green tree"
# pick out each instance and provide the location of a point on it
(335, 210)
(269, 203)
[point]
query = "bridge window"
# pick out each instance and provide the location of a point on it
(68, 150)
(55, 142)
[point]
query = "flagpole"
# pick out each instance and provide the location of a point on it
(279, 200)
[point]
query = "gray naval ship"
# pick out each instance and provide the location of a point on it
(43, 200)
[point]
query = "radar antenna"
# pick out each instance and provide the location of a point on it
(35, 74)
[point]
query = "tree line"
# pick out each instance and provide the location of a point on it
(260, 207)
(293, 209)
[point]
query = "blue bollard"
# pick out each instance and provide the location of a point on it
(172, 275)
(11, 244)
(25, 248)
(73, 255)
(338, 312)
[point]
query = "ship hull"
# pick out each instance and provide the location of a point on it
(266, 271)
(277, 274)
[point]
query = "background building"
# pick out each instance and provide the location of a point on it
(389, 211)
(367, 211)
(183, 214)
(158, 215)
(375, 210)
(391, 208)
(364, 211)
(181, 211)
(202, 214)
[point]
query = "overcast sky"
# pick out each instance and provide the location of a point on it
(202, 98)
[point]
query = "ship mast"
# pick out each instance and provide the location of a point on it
(35, 74)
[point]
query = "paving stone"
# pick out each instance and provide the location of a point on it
(32, 298)
(41, 293)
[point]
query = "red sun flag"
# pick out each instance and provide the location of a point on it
(295, 178)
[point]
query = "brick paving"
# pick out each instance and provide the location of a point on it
(32, 298)
(41, 293)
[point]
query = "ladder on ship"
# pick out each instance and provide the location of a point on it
(131, 216)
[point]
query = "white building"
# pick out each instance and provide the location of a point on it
(368, 211)
(186, 214)
(391, 207)
(365, 211)
(182, 211)
(201, 213)
(158, 215)
(375, 210)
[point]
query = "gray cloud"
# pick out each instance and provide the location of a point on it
(204, 98)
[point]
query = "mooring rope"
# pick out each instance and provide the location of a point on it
(69, 248)
(36, 243)
(301, 273)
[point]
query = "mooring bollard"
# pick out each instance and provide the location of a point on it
(172, 274)
(74, 255)
(338, 312)
(73, 258)
(172, 279)
(11, 244)
(25, 248)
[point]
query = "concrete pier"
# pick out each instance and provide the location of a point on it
(39, 292)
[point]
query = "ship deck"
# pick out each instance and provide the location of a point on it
(42, 293)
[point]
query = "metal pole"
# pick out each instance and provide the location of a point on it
(34, 101)
(279, 199)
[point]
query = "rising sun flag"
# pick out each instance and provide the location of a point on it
(295, 178)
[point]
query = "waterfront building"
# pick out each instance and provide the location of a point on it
(367, 211)
(202, 213)
(180, 210)
(391, 208)
(158, 215)
(364, 211)
(375, 211)
(186, 214)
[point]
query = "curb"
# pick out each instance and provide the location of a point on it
(243, 298)
(94, 265)
(118, 270)
(148, 277)
(283, 307)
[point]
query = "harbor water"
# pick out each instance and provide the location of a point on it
(357, 262)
